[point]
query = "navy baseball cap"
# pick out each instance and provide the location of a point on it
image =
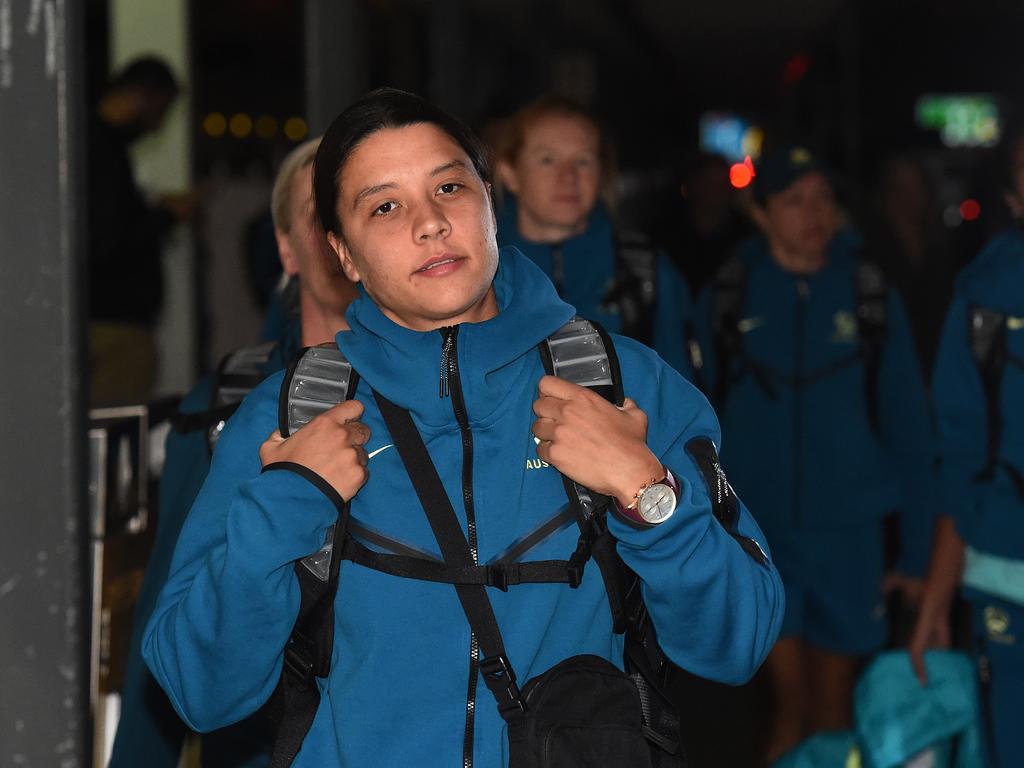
(784, 166)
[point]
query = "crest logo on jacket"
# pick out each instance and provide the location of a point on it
(997, 625)
(844, 328)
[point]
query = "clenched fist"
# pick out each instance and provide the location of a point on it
(331, 445)
(591, 441)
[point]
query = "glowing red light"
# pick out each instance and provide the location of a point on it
(741, 174)
(795, 69)
(970, 209)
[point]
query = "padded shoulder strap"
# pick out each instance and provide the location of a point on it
(318, 379)
(237, 375)
(634, 293)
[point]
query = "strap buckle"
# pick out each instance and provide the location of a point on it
(299, 662)
(500, 678)
(501, 575)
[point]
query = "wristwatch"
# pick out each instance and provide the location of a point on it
(654, 503)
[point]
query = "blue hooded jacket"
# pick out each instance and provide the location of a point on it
(588, 265)
(989, 515)
(397, 691)
(806, 458)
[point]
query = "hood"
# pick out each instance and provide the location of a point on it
(995, 276)
(405, 365)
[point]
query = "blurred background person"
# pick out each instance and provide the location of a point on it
(909, 241)
(125, 234)
(150, 732)
(809, 360)
(978, 391)
(555, 173)
(702, 226)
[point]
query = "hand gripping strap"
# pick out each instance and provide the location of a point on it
(724, 504)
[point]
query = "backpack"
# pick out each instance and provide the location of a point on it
(728, 297)
(236, 376)
(632, 705)
(634, 291)
(987, 330)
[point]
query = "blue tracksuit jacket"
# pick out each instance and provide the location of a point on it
(149, 732)
(397, 691)
(806, 458)
(588, 265)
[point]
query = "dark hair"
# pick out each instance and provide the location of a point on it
(379, 109)
(148, 72)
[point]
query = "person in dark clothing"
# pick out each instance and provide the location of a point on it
(909, 242)
(703, 225)
(125, 234)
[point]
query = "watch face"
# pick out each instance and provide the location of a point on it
(657, 503)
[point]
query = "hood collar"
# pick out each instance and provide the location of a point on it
(405, 365)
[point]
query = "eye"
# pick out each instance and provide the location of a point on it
(384, 208)
(449, 188)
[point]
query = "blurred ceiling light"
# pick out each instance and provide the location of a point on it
(240, 125)
(215, 124)
(295, 128)
(266, 126)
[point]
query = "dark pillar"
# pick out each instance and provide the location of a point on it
(44, 697)
(336, 72)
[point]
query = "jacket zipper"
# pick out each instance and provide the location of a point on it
(451, 385)
(798, 373)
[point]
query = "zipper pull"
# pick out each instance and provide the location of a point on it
(449, 338)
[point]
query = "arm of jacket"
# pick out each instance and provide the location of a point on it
(672, 320)
(960, 416)
(216, 637)
(908, 438)
(717, 610)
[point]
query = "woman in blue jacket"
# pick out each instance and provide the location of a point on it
(558, 165)
(811, 364)
(400, 188)
(978, 391)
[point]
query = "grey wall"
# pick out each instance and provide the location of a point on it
(43, 693)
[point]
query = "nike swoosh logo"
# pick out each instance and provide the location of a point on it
(747, 324)
(382, 448)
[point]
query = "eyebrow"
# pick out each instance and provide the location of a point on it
(449, 166)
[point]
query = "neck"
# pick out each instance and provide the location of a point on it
(484, 309)
(797, 262)
(537, 231)
(319, 325)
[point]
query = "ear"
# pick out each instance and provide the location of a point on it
(507, 176)
(344, 257)
(760, 216)
(285, 251)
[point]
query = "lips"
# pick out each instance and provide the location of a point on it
(439, 264)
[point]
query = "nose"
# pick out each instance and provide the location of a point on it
(431, 223)
(568, 172)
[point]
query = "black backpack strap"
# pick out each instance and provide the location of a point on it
(728, 298)
(872, 296)
(988, 332)
(317, 379)
(495, 666)
(634, 293)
